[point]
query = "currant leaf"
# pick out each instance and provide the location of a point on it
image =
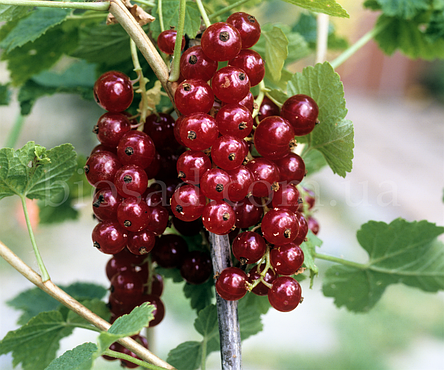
(186, 356)
(10, 12)
(250, 309)
(333, 137)
(79, 358)
(399, 252)
(5, 94)
(276, 51)
(25, 173)
(200, 295)
(30, 28)
(405, 9)
(329, 7)
(309, 249)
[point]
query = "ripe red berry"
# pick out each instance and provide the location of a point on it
(218, 217)
(141, 243)
(221, 41)
(265, 175)
(137, 148)
(195, 64)
(234, 119)
(280, 226)
(214, 183)
(285, 294)
(248, 212)
(230, 84)
(291, 168)
(254, 274)
(252, 63)
(170, 250)
(111, 127)
(286, 259)
(188, 202)
(302, 113)
(303, 228)
(105, 203)
(109, 237)
(250, 246)
(100, 169)
(113, 91)
(228, 152)
(166, 41)
(240, 182)
(267, 109)
(193, 96)
(287, 196)
(198, 131)
(132, 214)
(191, 165)
(248, 27)
(160, 128)
(130, 181)
(274, 137)
(196, 267)
(231, 284)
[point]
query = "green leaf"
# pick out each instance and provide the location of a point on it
(32, 27)
(35, 57)
(276, 51)
(200, 295)
(186, 356)
(170, 12)
(206, 322)
(5, 94)
(35, 344)
(23, 173)
(126, 326)
(250, 311)
(10, 12)
(314, 161)
(333, 137)
(399, 252)
(309, 249)
(372, 4)
(329, 7)
(100, 43)
(407, 36)
(406, 9)
(79, 358)
(95, 305)
(435, 28)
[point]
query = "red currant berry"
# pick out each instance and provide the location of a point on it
(231, 284)
(160, 128)
(111, 127)
(279, 226)
(221, 41)
(286, 259)
(109, 237)
(303, 228)
(141, 243)
(159, 310)
(158, 219)
(137, 148)
(126, 285)
(248, 102)
(234, 119)
(291, 168)
(302, 113)
(122, 261)
(195, 64)
(154, 168)
(249, 246)
(100, 169)
(265, 175)
(214, 183)
(240, 182)
(105, 203)
(191, 165)
(267, 109)
(166, 41)
(230, 84)
(313, 225)
(188, 202)
(252, 64)
(218, 217)
(248, 27)
(285, 294)
(170, 250)
(196, 267)
(274, 138)
(156, 285)
(193, 96)
(228, 152)
(248, 212)
(287, 196)
(132, 214)
(198, 131)
(113, 91)
(131, 180)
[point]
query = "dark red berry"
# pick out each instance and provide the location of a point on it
(231, 284)
(286, 259)
(196, 267)
(166, 41)
(302, 113)
(101, 168)
(113, 91)
(285, 294)
(249, 246)
(109, 237)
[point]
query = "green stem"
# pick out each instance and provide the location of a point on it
(15, 131)
(203, 13)
(175, 72)
(227, 9)
(142, 88)
(160, 14)
(259, 99)
(99, 6)
(203, 363)
(85, 326)
(129, 358)
(146, 3)
(43, 271)
(357, 45)
(340, 260)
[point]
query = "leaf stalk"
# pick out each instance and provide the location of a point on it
(203, 13)
(175, 71)
(98, 6)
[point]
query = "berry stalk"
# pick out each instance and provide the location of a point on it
(175, 71)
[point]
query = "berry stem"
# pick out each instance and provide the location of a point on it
(259, 99)
(43, 271)
(146, 3)
(99, 6)
(15, 131)
(322, 37)
(143, 107)
(146, 47)
(203, 13)
(175, 71)
(227, 9)
(340, 260)
(230, 342)
(358, 44)
(54, 291)
(160, 14)
(123, 356)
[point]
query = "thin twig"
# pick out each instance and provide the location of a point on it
(322, 37)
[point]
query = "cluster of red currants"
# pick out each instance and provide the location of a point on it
(225, 185)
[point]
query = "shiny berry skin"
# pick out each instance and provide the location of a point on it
(248, 27)
(287, 196)
(228, 152)
(230, 84)
(280, 226)
(265, 175)
(170, 250)
(249, 246)
(105, 203)
(214, 183)
(188, 202)
(193, 96)
(248, 212)
(122, 261)
(221, 41)
(274, 137)
(267, 109)
(126, 285)
(166, 41)
(198, 131)
(234, 119)
(141, 243)
(137, 148)
(158, 219)
(285, 294)
(100, 169)
(303, 228)
(240, 182)
(109, 237)
(196, 267)
(195, 64)
(270, 276)
(252, 64)
(111, 127)
(113, 91)
(291, 168)
(302, 113)
(286, 259)
(131, 181)
(160, 128)
(132, 214)
(218, 217)
(248, 102)
(231, 284)
(191, 165)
